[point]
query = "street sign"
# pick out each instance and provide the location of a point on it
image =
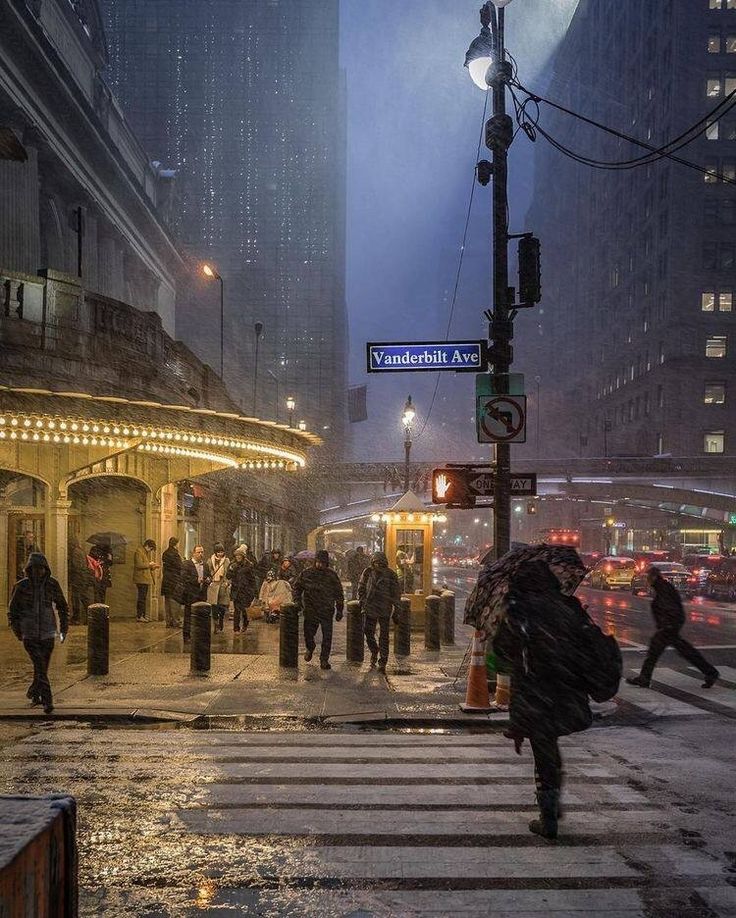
(501, 419)
(499, 384)
(463, 485)
(426, 356)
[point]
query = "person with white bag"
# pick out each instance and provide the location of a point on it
(218, 591)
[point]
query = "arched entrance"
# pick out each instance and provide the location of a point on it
(23, 525)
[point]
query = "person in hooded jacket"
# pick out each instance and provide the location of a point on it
(539, 640)
(32, 620)
(669, 617)
(379, 595)
(243, 588)
(319, 593)
(275, 593)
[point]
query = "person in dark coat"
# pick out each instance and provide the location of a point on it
(538, 638)
(172, 584)
(81, 581)
(357, 562)
(287, 571)
(669, 617)
(196, 577)
(379, 594)
(102, 553)
(32, 620)
(318, 592)
(243, 588)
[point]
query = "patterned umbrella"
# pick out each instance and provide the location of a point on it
(486, 605)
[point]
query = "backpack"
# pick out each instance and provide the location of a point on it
(95, 567)
(601, 662)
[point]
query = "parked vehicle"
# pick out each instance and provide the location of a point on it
(721, 582)
(645, 559)
(591, 558)
(677, 574)
(613, 573)
(701, 566)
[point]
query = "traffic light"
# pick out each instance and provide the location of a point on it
(450, 486)
(531, 506)
(530, 272)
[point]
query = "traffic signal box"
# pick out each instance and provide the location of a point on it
(450, 486)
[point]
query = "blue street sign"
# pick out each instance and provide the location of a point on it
(426, 355)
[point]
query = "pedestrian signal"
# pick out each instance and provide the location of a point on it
(450, 486)
(531, 506)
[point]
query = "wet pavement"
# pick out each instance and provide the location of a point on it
(179, 822)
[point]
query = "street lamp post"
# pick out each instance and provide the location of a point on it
(290, 406)
(209, 271)
(258, 329)
(407, 419)
(488, 67)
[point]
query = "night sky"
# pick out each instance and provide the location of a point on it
(414, 119)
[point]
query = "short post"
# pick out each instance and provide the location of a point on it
(200, 654)
(448, 617)
(402, 630)
(432, 623)
(355, 646)
(98, 640)
(289, 637)
(186, 624)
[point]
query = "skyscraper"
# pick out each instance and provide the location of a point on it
(246, 102)
(635, 341)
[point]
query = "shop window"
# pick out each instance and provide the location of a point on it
(708, 301)
(713, 441)
(714, 44)
(715, 346)
(715, 393)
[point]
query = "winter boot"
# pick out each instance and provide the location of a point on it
(546, 825)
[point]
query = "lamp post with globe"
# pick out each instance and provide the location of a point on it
(407, 419)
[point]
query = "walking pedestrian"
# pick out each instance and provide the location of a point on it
(144, 568)
(31, 617)
(274, 594)
(243, 588)
(319, 593)
(195, 580)
(379, 594)
(287, 571)
(172, 582)
(81, 581)
(669, 617)
(102, 554)
(539, 639)
(357, 562)
(218, 595)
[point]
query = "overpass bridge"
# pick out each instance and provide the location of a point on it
(701, 488)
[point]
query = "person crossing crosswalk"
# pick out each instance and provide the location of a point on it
(358, 824)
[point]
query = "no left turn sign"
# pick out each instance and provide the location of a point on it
(501, 419)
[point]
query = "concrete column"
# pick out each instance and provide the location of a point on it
(153, 531)
(4, 585)
(57, 538)
(168, 525)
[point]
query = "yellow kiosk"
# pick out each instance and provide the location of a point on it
(408, 533)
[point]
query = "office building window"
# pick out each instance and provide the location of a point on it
(725, 301)
(715, 346)
(730, 83)
(711, 130)
(661, 352)
(713, 87)
(731, 44)
(660, 396)
(728, 171)
(715, 4)
(708, 301)
(660, 444)
(715, 393)
(711, 173)
(713, 441)
(730, 5)
(714, 44)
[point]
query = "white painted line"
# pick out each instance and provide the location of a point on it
(718, 693)
(383, 771)
(655, 703)
(727, 672)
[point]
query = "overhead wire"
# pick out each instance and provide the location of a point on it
(459, 265)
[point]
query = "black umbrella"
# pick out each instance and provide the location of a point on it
(108, 538)
(486, 605)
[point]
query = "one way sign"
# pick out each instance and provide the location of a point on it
(463, 485)
(524, 485)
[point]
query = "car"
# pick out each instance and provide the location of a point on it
(701, 566)
(677, 574)
(645, 559)
(613, 572)
(721, 582)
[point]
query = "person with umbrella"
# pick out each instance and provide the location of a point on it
(319, 593)
(539, 639)
(101, 552)
(32, 620)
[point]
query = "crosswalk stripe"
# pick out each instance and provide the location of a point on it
(383, 771)
(718, 693)
(728, 673)
(656, 703)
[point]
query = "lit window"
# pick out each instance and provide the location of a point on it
(714, 44)
(711, 173)
(731, 44)
(660, 444)
(708, 301)
(715, 393)
(661, 352)
(713, 87)
(715, 4)
(725, 301)
(730, 84)
(730, 5)
(715, 346)
(713, 441)
(711, 131)
(728, 172)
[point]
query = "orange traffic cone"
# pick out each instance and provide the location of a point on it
(503, 692)
(477, 700)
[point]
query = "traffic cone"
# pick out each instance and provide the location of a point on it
(503, 692)
(477, 700)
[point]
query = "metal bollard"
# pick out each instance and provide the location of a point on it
(200, 655)
(402, 630)
(98, 640)
(186, 624)
(432, 623)
(355, 647)
(289, 637)
(448, 617)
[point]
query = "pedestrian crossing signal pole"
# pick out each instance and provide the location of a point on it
(489, 69)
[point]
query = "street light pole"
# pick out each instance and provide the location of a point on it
(407, 418)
